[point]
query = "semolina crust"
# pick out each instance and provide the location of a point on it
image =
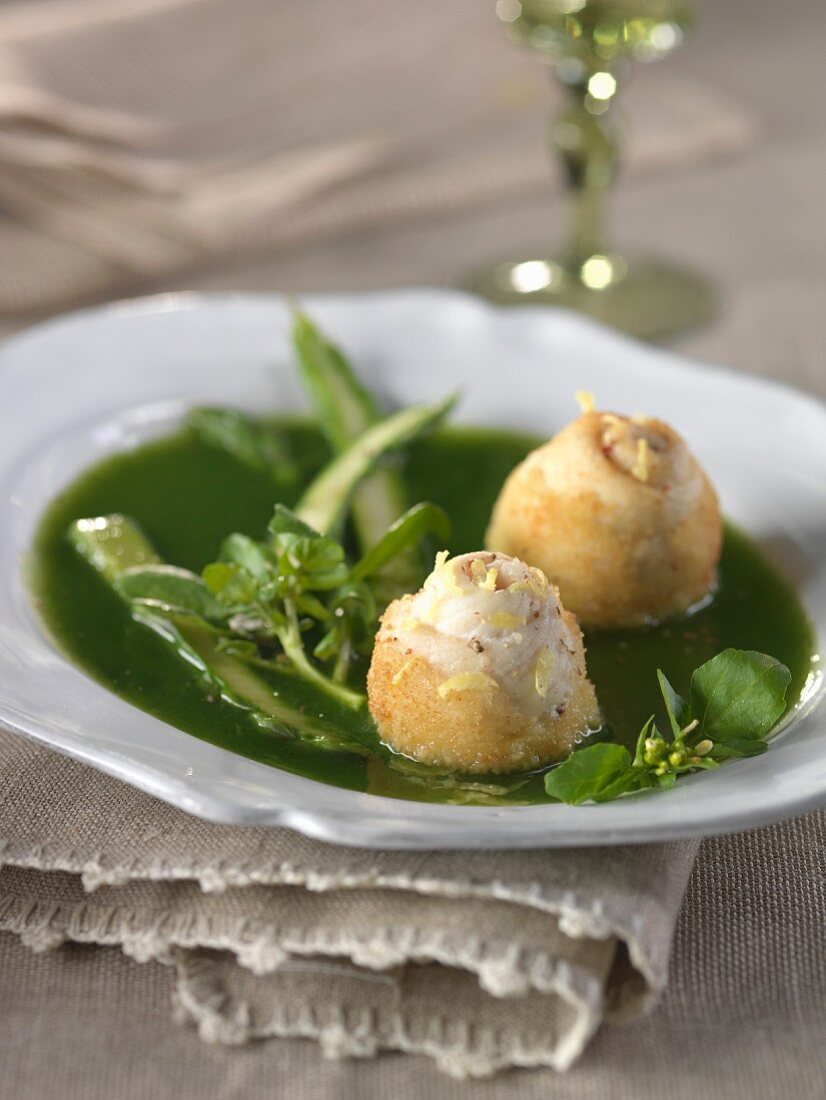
(471, 730)
(622, 553)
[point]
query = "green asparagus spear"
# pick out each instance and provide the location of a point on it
(346, 410)
(326, 499)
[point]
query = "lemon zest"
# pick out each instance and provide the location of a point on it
(467, 681)
(640, 468)
(504, 620)
(478, 570)
(444, 573)
(542, 674)
(531, 585)
(452, 584)
(586, 400)
(489, 583)
(525, 585)
(539, 577)
(403, 671)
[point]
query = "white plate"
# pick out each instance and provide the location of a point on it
(83, 386)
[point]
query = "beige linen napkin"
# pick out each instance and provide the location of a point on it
(148, 137)
(481, 960)
(743, 1016)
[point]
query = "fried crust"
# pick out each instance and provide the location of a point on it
(471, 730)
(623, 552)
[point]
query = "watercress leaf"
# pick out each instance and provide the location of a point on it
(675, 705)
(168, 588)
(216, 576)
(733, 748)
(738, 694)
(324, 580)
(258, 445)
(250, 555)
(230, 584)
(312, 560)
(286, 522)
(322, 557)
(422, 519)
(587, 774)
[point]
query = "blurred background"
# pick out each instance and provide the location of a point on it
(152, 145)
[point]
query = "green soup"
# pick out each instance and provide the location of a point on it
(188, 496)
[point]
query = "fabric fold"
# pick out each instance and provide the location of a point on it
(481, 960)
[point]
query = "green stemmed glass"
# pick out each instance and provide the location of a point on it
(589, 43)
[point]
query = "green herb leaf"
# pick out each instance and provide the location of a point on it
(733, 748)
(736, 699)
(595, 774)
(240, 550)
(170, 589)
(421, 519)
(232, 585)
(286, 522)
(320, 562)
(675, 705)
(739, 694)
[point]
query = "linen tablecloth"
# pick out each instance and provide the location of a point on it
(743, 1015)
(481, 960)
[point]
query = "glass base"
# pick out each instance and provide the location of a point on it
(644, 297)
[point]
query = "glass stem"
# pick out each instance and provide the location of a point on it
(584, 138)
